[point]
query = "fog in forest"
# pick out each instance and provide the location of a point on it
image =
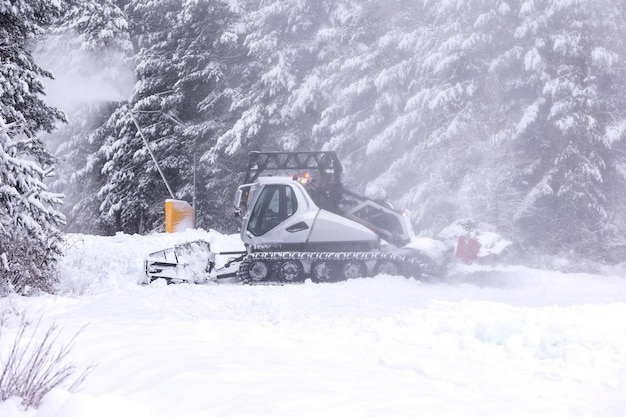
(511, 114)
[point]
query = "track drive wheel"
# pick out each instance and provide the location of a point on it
(290, 270)
(258, 271)
(353, 269)
(322, 271)
(387, 267)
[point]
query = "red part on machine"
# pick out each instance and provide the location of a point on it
(467, 249)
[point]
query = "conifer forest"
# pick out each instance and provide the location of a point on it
(507, 112)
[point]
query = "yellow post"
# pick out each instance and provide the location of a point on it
(178, 216)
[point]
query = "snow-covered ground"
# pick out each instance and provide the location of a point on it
(503, 342)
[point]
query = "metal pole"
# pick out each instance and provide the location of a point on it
(156, 162)
(193, 198)
(193, 203)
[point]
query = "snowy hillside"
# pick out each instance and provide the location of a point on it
(506, 342)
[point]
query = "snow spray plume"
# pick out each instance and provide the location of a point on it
(83, 77)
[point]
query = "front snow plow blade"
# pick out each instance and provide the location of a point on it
(189, 262)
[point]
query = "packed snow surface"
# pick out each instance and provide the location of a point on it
(481, 342)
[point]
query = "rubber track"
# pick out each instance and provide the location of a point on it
(405, 263)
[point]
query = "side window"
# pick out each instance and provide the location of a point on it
(275, 204)
(292, 202)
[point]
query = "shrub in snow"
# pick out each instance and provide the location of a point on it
(33, 367)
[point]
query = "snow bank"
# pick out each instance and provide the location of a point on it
(481, 342)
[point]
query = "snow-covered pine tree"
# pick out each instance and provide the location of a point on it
(129, 191)
(297, 51)
(372, 75)
(185, 57)
(29, 245)
(459, 115)
(94, 76)
(570, 169)
(499, 111)
(409, 110)
(279, 99)
(614, 235)
(209, 59)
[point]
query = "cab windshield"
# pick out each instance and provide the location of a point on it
(276, 203)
